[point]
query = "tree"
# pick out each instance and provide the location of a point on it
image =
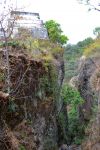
(97, 32)
(55, 32)
(92, 4)
(85, 42)
(72, 55)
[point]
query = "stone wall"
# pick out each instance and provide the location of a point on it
(29, 21)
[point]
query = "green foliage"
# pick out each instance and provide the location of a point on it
(39, 48)
(55, 32)
(22, 147)
(97, 32)
(63, 126)
(2, 77)
(10, 43)
(72, 55)
(12, 106)
(48, 82)
(71, 96)
(72, 99)
(93, 49)
(86, 42)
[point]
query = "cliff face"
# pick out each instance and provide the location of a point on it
(88, 84)
(87, 68)
(28, 114)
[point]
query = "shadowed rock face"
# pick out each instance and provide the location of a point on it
(64, 147)
(87, 85)
(92, 141)
(30, 113)
(87, 69)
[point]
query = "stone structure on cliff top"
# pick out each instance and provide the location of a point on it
(30, 21)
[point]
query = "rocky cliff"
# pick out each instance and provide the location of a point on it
(28, 114)
(88, 83)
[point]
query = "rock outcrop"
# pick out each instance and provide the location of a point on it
(28, 116)
(88, 84)
(82, 82)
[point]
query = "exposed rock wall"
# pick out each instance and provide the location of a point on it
(88, 85)
(87, 68)
(30, 112)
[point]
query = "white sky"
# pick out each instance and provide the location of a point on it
(76, 22)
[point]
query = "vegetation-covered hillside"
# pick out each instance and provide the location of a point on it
(72, 55)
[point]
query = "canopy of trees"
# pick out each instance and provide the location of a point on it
(97, 32)
(93, 49)
(55, 32)
(72, 55)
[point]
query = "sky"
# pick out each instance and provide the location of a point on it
(75, 19)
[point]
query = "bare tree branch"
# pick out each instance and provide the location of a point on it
(90, 4)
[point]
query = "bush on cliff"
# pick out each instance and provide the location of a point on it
(71, 97)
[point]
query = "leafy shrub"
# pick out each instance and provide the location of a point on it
(22, 147)
(10, 43)
(93, 49)
(2, 77)
(55, 32)
(72, 54)
(62, 127)
(71, 97)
